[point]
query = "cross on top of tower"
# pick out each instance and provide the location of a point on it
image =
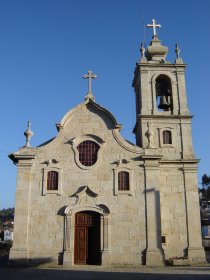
(89, 76)
(153, 26)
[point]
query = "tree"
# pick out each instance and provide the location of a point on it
(206, 187)
(6, 215)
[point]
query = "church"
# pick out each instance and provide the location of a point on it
(89, 197)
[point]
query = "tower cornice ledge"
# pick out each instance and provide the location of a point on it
(163, 64)
(151, 157)
(165, 116)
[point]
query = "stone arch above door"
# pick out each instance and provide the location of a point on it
(101, 209)
(85, 200)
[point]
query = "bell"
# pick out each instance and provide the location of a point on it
(163, 103)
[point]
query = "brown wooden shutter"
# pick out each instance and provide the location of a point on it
(167, 137)
(123, 181)
(52, 180)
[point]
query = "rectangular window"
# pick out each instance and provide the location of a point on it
(167, 139)
(123, 181)
(163, 239)
(52, 180)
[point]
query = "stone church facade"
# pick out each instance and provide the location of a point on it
(90, 197)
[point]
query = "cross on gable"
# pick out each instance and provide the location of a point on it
(153, 26)
(90, 76)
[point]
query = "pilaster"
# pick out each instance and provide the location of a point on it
(67, 256)
(105, 241)
(181, 89)
(154, 251)
(196, 252)
(186, 138)
(24, 160)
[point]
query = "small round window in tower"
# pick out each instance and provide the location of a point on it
(88, 153)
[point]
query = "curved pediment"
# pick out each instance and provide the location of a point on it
(93, 107)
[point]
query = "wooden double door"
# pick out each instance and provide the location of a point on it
(87, 246)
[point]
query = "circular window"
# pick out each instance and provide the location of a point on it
(88, 152)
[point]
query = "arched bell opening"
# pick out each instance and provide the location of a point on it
(163, 93)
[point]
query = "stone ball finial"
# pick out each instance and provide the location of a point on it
(28, 134)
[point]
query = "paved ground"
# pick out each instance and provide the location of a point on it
(97, 272)
(93, 273)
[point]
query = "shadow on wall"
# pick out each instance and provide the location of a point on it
(4, 252)
(27, 262)
(207, 252)
(4, 258)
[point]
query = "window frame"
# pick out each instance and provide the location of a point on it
(87, 151)
(46, 170)
(123, 180)
(52, 180)
(75, 142)
(167, 137)
(162, 144)
(126, 168)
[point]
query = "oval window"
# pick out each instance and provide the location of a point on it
(88, 152)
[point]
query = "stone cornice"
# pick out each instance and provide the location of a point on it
(167, 64)
(165, 116)
(24, 155)
(180, 161)
(151, 157)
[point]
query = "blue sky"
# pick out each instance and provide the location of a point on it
(46, 46)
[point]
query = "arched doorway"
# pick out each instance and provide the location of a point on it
(87, 243)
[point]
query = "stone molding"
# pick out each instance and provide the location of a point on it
(82, 106)
(123, 165)
(88, 137)
(52, 167)
(126, 145)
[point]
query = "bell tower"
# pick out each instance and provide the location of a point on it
(161, 101)
(163, 130)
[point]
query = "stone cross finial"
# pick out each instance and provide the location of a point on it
(90, 76)
(153, 26)
(28, 134)
(142, 50)
(177, 51)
